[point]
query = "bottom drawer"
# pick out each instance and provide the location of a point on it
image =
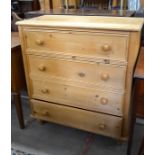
(90, 121)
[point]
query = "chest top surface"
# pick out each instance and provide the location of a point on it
(92, 22)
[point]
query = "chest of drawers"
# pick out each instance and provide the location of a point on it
(79, 70)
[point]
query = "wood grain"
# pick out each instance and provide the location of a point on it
(134, 46)
(86, 22)
(99, 75)
(77, 96)
(82, 119)
(65, 64)
(112, 45)
(57, 4)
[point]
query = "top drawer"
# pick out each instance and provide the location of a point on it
(77, 43)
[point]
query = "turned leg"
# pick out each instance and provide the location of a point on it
(19, 111)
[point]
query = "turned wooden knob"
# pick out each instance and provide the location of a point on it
(44, 91)
(42, 68)
(101, 126)
(104, 101)
(81, 74)
(34, 112)
(104, 76)
(106, 48)
(45, 113)
(39, 42)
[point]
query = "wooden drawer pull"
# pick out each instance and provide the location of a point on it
(104, 101)
(106, 48)
(39, 42)
(101, 126)
(81, 74)
(45, 91)
(104, 77)
(34, 112)
(42, 68)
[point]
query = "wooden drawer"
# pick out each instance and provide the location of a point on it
(78, 118)
(111, 76)
(89, 44)
(82, 97)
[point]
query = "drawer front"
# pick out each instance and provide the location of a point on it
(82, 97)
(90, 121)
(79, 43)
(92, 73)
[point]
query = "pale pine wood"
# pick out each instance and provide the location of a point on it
(42, 5)
(68, 50)
(134, 47)
(73, 3)
(47, 5)
(98, 74)
(57, 4)
(74, 95)
(69, 3)
(82, 119)
(112, 45)
(86, 22)
(26, 66)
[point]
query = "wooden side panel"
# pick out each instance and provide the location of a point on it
(78, 118)
(134, 46)
(25, 59)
